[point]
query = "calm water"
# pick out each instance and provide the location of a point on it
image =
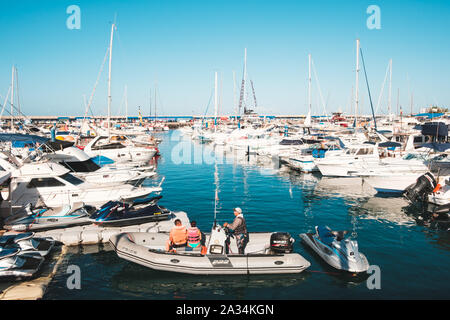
(413, 257)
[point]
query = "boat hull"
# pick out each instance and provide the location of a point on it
(130, 246)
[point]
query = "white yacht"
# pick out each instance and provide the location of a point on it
(82, 166)
(342, 163)
(116, 150)
(52, 185)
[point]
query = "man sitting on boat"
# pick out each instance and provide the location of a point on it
(177, 236)
(239, 228)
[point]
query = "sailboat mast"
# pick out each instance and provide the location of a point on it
(234, 94)
(390, 86)
(357, 81)
(215, 101)
(155, 100)
(126, 103)
(109, 81)
(309, 83)
(245, 78)
(12, 99)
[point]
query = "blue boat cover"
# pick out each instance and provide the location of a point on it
(101, 160)
(7, 137)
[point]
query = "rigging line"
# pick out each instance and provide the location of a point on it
(93, 91)
(382, 89)
(121, 104)
(318, 85)
(19, 113)
(6, 101)
(17, 91)
(368, 89)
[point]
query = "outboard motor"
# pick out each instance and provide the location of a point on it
(281, 242)
(424, 185)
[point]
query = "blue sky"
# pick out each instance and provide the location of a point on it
(180, 44)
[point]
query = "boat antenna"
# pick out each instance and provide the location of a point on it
(216, 198)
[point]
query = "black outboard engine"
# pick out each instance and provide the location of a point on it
(424, 185)
(281, 242)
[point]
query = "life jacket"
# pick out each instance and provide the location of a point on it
(242, 227)
(178, 234)
(193, 235)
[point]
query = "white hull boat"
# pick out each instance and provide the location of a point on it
(147, 249)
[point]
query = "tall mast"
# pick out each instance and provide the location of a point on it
(126, 103)
(150, 108)
(309, 83)
(109, 81)
(155, 100)
(245, 77)
(215, 101)
(234, 93)
(12, 99)
(390, 86)
(357, 80)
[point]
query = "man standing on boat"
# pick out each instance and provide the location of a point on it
(239, 228)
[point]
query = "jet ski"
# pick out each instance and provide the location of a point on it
(32, 219)
(340, 253)
(120, 213)
(15, 263)
(27, 243)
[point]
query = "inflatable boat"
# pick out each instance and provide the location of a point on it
(265, 253)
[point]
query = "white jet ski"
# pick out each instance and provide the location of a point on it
(342, 254)
(265, 253)
(27, 243)
(15, 263)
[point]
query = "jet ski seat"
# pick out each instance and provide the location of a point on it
(340, 235)
(6, 253)
(325, 234)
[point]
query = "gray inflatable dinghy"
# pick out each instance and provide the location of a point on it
(263, 254)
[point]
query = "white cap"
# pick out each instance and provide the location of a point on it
(238, 210)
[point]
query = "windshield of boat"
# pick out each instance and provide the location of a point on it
(72, 179)
(81, 166)
(414, 156)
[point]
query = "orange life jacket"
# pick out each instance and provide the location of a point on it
(178, 235)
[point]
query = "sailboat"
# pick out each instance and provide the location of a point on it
(104, 146)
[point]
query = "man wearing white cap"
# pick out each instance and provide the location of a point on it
(239, 228)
